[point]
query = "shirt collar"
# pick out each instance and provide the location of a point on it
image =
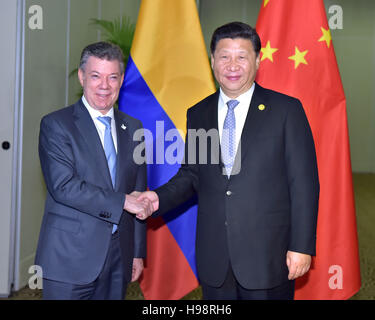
(243, 98)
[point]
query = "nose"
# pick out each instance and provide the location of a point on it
(104, 84)
(232, 65)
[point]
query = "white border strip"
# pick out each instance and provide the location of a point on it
(18, 134)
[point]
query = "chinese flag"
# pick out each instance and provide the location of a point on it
(298, 59)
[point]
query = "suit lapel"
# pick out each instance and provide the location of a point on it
(124, 147)
(254, 119)
(88, 131)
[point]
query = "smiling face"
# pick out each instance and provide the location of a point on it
(235, 65)
(101, 81)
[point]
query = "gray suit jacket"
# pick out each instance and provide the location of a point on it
(81, 204)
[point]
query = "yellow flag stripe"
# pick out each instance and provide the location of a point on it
(169, 51)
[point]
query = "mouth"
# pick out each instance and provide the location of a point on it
(102, 96)
(233, 78)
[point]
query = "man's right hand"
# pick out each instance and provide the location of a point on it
(149, 197)
(141, 208)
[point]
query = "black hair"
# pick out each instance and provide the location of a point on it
(235, 30)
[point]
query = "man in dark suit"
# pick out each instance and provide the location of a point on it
(89, 247)
(257, 206)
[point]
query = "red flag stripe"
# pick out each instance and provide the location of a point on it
(163, 253)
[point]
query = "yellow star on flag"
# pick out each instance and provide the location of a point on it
(326, 36)
(267, 52)
(266, 2)
(299, 57)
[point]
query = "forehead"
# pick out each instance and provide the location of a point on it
(102, 65)
(234, 44)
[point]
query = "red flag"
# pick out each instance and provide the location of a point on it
(298, 59)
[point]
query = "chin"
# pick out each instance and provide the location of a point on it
(233, 89)
(102, 106)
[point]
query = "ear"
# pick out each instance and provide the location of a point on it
(212, 61)
(122, 79)
(257, 61)
(80, 76)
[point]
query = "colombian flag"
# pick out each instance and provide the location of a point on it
(168, 71)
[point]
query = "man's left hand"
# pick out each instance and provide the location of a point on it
(298, 264)
(137, 268)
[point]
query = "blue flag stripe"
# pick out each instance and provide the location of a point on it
(137, 100)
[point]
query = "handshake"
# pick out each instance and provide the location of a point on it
(141, 204)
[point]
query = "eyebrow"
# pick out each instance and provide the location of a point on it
(113, 73)
(228, 50)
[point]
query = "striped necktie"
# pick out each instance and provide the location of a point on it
(110, 152)
(229, 137)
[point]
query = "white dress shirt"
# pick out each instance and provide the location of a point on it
(240, 112)
(100, 127)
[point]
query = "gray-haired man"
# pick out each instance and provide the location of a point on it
(89, 246)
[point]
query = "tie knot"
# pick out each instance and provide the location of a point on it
(232, 104)
(106, 121)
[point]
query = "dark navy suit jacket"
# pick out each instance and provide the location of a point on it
(252, 219)
(82, 205)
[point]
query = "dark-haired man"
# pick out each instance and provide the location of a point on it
(257, 208)
(89, 247)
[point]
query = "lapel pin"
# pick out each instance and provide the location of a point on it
(123, 127)
(261, 107)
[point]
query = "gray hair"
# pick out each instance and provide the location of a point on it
(102, 50)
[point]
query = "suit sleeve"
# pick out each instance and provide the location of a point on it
(140, 240)
(303, 180)
(184, 184)
(64, 183)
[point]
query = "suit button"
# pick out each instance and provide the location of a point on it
(229, 193)
(226, 224)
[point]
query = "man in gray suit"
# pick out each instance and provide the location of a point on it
(89, 246)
